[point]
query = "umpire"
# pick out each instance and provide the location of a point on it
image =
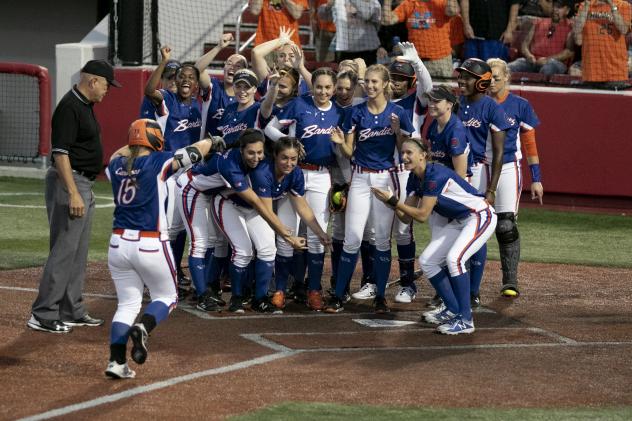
(77, 158)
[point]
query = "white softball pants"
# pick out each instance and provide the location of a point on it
(509, 185)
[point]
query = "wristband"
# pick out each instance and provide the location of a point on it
(535, 173)
(392, 201)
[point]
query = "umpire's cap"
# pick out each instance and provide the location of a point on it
(480, 69)
(146, 132)
(101, 68)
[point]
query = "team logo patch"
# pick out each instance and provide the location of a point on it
(454, 143)
(431, 185)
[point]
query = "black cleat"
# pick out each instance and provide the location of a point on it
(334, 305)
(475, 301)
(138, 334)
(380, 306)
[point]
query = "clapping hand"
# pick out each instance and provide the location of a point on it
(382, 195)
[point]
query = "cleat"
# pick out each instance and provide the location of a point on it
(456, 327)
(475, 301)
(367, 292)
(119, 371)
(138, 334)
(205, 303)
(432, 312)
(346, 298)
(236, 305)
(445, 316)
(405, 295)
(315, 300)
(51, 326)
(183, 280)
(380, 306)
(278, 300)
(261, 306)
(510, 292)
(435, 302)
(334, 305)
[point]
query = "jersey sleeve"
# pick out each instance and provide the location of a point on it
(433, 182)
(167, 100)
(351, 119)
(458, 140)
(413, 186)
(297, 187)
(161, 162)
(288, 114)
(261, 179)
(405, 123)
(233, 174)
(498, 119)
(528, 118)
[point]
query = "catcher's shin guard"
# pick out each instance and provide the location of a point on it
(509, 246)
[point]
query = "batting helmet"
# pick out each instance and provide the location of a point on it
(403, 68)
(145, 132)
(479, 69)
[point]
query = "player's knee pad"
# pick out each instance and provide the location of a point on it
(506, 228)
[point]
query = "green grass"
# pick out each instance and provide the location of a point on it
(547, 236)
(329, 412)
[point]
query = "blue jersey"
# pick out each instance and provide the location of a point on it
(140, 205)
(147, 109)
(375, 141)
(415, 111)
(265, 183)
(313, 127)
(213, 108)
(456, 199)
(520, 112)
(452, 141)
(235, 173)
(181, 123)
(481, 118)
(205, 176)
(234, 122)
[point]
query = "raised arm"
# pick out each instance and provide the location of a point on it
(151, 88)
(203, 62)
(424, 80)
(273, 129)
(295, 9)
(259, 53)
(268, 101)
(452, 8)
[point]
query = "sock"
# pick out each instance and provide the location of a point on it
(407, 265)
(299, 267)
(118, 352)
(119, 333)
(461, 287)
(336, 249)
(366, 252)
(215, 271)
(442, 285)
(345, 271)
(282, 266)
(238, 276)
(315, 262)
(381, 270)
(197, 267)
(477, 267)
(263, 275)
(177, 248)
(208, 260)
(158, 310)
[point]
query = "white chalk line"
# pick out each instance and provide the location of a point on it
(7, 205)
(85, 294)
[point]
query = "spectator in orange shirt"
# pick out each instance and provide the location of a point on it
(600, 28)
(274, 14)
(428, 24)
(549, 43)
(324, 30)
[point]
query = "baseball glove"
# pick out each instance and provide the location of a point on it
(338, 197)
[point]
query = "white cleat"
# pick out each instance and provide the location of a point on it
(405, 295)
(119, 371)
(367, 292)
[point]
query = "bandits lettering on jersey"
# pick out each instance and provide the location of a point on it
(314, 130)
(123, 173)
(218, 114)
(472, 122)
(186, 125)
(228, 129)
(369, 133)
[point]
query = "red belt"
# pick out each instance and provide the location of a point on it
(148, 234)
(310, 167)
(361, 169)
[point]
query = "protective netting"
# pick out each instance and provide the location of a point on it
(19, 117)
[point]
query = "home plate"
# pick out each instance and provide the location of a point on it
(383, 323)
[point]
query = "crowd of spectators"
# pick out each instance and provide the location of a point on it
(587, 38)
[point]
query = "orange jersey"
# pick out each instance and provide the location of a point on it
(456, 30)
(325, 26)
(428, 27)
(604, 53)
(272, 18)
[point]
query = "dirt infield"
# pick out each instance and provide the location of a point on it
(566, 342)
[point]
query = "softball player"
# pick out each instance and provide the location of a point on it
(179, 115)
(486, 125)
(240, 214)
(431, 188)
(282, 180)
(222, 93)
(510, 183)
(407, 72)
(312, 120)
(372, 131)
(139, 253)
(168, 82)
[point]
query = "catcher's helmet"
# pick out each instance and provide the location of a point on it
(145, 132)
(479, 69)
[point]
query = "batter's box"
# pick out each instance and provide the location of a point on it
(416, 338)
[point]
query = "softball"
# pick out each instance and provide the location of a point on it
(337, 198)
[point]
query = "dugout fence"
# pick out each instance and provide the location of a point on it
(24, 113)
